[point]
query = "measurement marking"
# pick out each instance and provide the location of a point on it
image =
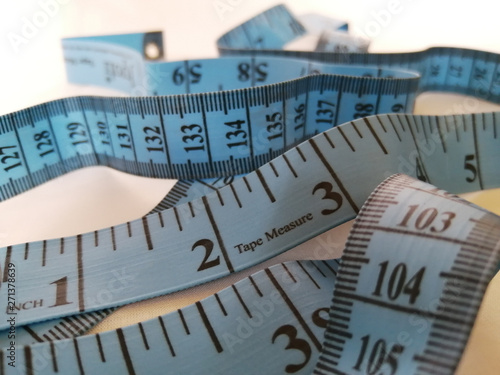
(235, 195)
(220, 304)
(220, 197)
(53, 355)
(190, 205)
(450, 336)
(476, 148)
(264, 184)
(472, 280)
(308, 275)
(420, 160)
(6, 264)
(207, 185)
(337, 301)
(440, 134)
(399, 308)
(339, 325)
(360, 239)
(113, 239)
(249, 127)
(345, 138)
(476, 246)
(26, 250)
(54, 334)
(96, 238)
(44, 252)
(126, 355)
(217, 234)
(273, 168)
(164, 330)
(334, 175)
(483, 222)
(129, 229)
(143, 335)
(289, 165)
(434, 353)
(313, 263)
(245, 307)
(28, 359)
(328, 140)
(339, 332)
(355, 259)
(209, 327)
(205, 126)
(32, 333)
(345, 287)
(186, 69)
(327, 368)
(177, 218)
(433, 362)
(494, 125)
(99, 346)
(294, 310)
(329, 267)
(79, 260)
(77, 329)
(247, 184)
(147, 233)
(78, 358)
(300, 153)
(375, 135)
(341, 310)
(353, 124)
(394, 127)
(255, 286)
(345, 280)
(288, 272)
(447, 346)
(184, 324)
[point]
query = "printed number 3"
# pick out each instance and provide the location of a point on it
(329, 195)
(294, 343)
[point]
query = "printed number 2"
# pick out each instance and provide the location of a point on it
(209, 246)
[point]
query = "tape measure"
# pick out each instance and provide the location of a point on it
(232, 132)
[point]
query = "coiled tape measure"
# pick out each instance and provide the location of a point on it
(415, 253)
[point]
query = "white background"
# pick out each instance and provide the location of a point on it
(33, 72)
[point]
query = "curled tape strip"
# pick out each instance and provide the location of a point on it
(297, 194)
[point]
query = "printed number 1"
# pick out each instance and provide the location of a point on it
(61, 292)
(378, 356)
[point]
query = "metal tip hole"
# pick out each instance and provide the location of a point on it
(152, 51)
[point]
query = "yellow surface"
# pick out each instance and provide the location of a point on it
(482, 355)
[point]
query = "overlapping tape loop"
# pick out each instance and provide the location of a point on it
(277, 117)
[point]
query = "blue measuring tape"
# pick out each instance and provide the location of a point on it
(274, 114)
